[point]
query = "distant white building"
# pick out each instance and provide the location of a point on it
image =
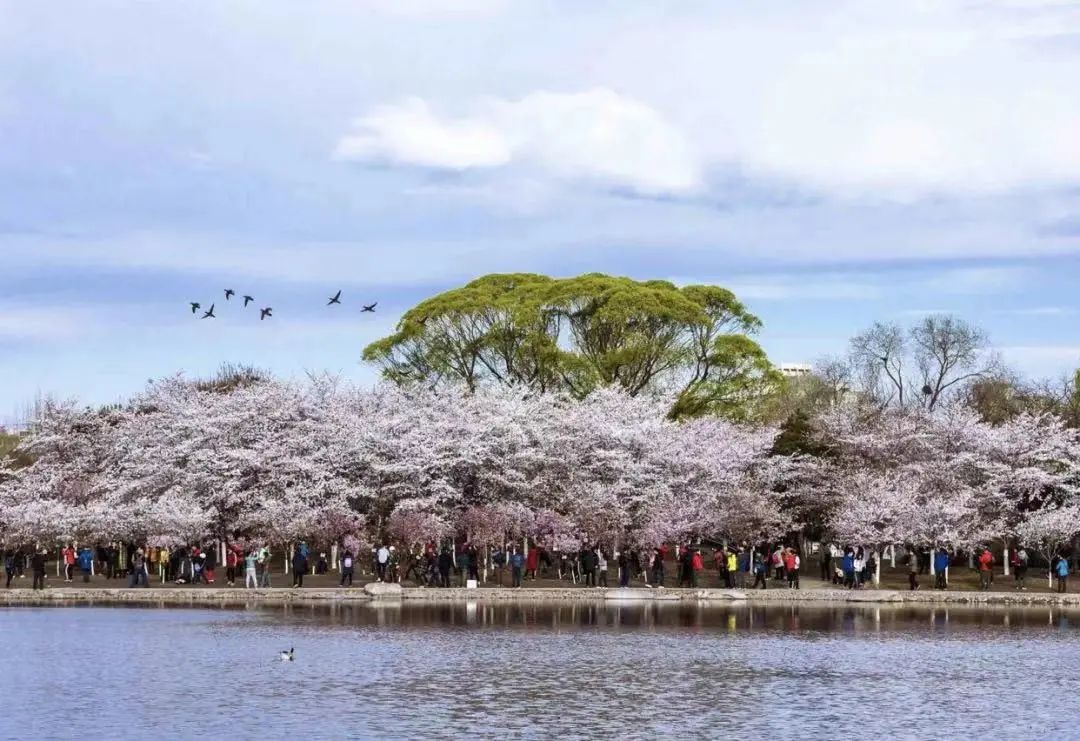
(794, 370)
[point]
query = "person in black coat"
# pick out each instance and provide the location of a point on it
(209, 563)
(37, 565)
(588, 566)
(446, 561)
(472, 561)
(299, 565)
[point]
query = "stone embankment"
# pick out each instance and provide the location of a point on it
(382, 593)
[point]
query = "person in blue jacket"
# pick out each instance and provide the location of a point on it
(1061, 570)
(941, 566)
(847, 565)
(517, 563)
(86, 561)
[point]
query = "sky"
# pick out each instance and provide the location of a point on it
(834, 163)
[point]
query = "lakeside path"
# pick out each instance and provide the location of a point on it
(392, 593)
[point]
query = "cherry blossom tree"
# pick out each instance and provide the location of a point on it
(1049, 530)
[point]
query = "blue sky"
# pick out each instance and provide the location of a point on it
(834, 163)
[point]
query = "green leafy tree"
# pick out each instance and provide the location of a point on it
(576, 334)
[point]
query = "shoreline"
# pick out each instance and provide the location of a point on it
(384, 594)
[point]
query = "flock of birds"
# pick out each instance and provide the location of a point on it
(267, 311)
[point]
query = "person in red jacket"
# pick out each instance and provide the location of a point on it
(69, 562)
(791, 567)
(986, 569)
(532, 562)
(696, 566)
(231, 560)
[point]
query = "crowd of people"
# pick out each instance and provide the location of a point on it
(443, 565)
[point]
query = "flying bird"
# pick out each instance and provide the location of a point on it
(267, 312)
(248, 300)
(195, 306)
(209, 314)
(335, 299)
(229, 293)
(287, 655)
(369, 307)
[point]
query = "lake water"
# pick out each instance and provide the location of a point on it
(539, 671)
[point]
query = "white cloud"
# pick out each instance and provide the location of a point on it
(426, 9)
(1043, 311)
(864, 98)
(857, 286)
(596, 135)
(792, 288)
(409, 133)
(45, 323)
(1042, 360)
(977, 280)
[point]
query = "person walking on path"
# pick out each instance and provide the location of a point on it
(913, 570)
(686, 567)
(517, 563)
(742, 563)
(231, 560)
(658, 568)
(777, 561)
(138, 569)
(209, 556)
(760, 572)
(732, 567)
(382, 558)
(299, 566)
(986, 566)
(472, 562)
(941, 566)
(623, 563)
(1019, 559)
(347, 568)
(68, 554)
(86, 563)
(446, 562)
(1061, 571)
(859, 567)
(37, 565)
(847, 565)
(719, 557)
(588, 566)
(792, 562)
(264, 567)
(251, 566)
(697, 565)
(9, 567)
(825, 558)
(532, 562)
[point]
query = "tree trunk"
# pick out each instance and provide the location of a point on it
(288, 558)
(1005, 560)
(333, 557)
(877, 568)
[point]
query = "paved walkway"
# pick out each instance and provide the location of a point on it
(815, 594)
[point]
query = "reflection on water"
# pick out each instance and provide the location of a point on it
(682, 617)
(633, 670)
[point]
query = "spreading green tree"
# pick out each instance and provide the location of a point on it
(578, 334)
